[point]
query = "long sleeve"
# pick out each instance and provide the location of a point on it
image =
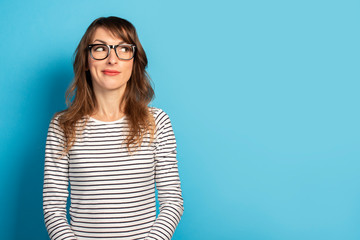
(167, 181)
(55, 188)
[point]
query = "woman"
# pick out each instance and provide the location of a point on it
(111, 146)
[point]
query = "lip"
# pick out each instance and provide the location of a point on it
(110, 72)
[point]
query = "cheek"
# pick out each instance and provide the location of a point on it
(90, 65)
(94, 67)
(129, 66)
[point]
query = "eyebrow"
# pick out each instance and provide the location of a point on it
(105, 42)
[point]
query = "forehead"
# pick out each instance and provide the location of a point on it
(105, 35)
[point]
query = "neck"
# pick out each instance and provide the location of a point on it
(108, 105)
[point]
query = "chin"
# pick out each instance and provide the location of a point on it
(114, 87)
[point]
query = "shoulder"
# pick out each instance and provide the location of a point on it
(162, 121)
(56, 118)
(155, 111)
(55, 124)
(160, 116)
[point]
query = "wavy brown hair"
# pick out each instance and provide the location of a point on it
(138, 93)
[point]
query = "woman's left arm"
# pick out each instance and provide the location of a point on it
(167, 181)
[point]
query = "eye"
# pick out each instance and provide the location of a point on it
(124, 49)
(99, 48)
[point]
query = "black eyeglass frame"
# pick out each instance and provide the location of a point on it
(109, 49)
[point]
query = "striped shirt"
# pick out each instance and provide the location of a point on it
(112, 192)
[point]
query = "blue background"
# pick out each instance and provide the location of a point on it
(263, 97)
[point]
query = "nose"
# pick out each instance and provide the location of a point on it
(112, 58)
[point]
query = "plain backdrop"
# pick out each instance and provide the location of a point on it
(263, 97)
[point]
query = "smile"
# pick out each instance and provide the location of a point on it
(110, 72)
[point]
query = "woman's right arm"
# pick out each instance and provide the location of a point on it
(55, 188)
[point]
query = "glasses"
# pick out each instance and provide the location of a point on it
(101, 51)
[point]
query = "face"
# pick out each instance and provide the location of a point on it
(104, 72)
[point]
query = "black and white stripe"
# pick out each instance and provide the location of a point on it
(112, 192)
